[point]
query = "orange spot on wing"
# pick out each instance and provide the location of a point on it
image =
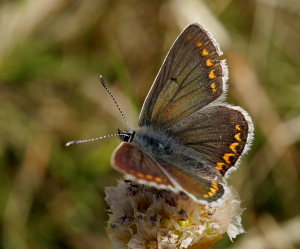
(213, 190)
(209, 63)
(205, 52)
(199, 44)
(213, 87)
(212, 75)
(149, 177)
(140, 175)
(158, 179)
(238, 127)
(214, 185)
(227, 157)
(233, 147)
(238, 137)
(219, 166)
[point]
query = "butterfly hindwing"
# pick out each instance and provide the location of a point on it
(220, 134)
(191, 77)
(136, 164)
(198, 186)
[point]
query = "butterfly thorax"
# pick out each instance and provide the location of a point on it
(154, 142)
(159, 144)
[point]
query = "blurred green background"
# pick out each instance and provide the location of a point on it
(51, 54)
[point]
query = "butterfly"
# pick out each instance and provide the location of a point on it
(188, 139)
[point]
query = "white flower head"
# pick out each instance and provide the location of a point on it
(149, 218)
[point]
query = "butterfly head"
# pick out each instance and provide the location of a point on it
(127, 135)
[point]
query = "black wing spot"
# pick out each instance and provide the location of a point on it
(174, 79)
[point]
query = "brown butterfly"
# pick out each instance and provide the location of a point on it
(188, 138)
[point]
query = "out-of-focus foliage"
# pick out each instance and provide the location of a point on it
(51, 53)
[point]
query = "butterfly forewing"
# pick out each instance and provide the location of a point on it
(190, 78)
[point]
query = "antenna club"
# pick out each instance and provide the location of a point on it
(70, 143)
(102, 80)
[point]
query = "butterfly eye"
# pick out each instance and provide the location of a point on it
(126, 136)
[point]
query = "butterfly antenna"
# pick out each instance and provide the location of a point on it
(93, 139)
(112, 96)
